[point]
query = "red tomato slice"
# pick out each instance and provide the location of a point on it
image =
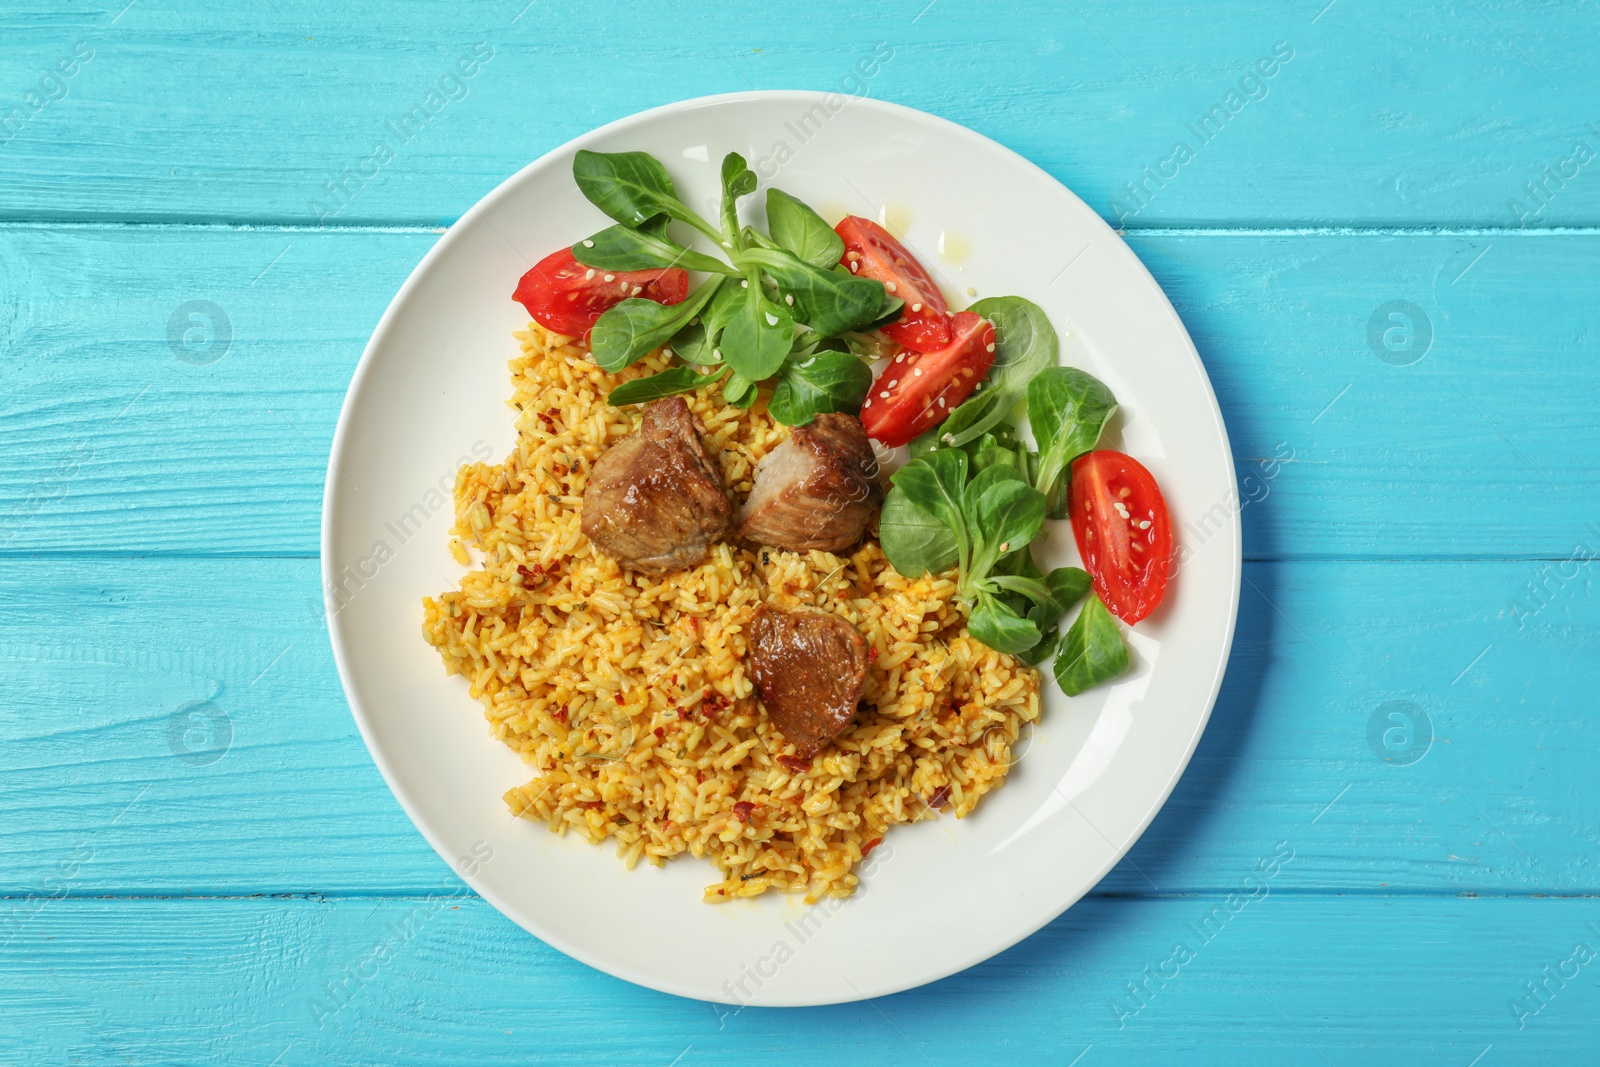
(871, 251)
(1123, 534)
(918, 389)
(565, 296)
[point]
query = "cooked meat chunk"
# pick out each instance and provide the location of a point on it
(818, 489)
(810, 667)
(655, 500)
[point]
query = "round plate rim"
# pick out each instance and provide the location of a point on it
(332, 496)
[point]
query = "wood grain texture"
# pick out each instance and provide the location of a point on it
(191, 110)
(1426, 544)
(444, 980)
(1500, 805)
(1462, 454)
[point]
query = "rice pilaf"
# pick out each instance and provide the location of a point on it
(631, 697)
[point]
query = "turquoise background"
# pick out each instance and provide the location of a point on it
(194, 844)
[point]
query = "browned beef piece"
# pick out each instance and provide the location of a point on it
(810, 667)
(817, 490)
(655, 500)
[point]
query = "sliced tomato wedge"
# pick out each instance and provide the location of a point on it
(872, 252)
(918, 389)
(565, 296)
(1124, 536)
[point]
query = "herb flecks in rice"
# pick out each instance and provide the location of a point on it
(631, 697)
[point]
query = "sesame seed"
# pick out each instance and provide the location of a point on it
(637, 290)
(727, 244)
(917, 371)
(901, 358)
(1005, 546)
(989, 347)
(772, 320)
(610, 277)
(789, 299)
(588, 244)
(894, 383)
(883, 395)
(589, 275)
(971, 291)
(745, 284)
(716, 353)
(854, 266)
(941, 401)
(852, 255)
(868, 404)
(915, 308)
(890, 286)
(1145, 525)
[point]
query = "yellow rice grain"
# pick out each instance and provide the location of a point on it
(630, 696)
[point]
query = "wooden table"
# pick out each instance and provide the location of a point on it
(1386, 251)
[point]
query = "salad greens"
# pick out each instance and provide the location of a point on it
(1068, 410)
(975, 497)
(764, 313)
(802, 231)
(1025, 344)
(915, 540)
(939, 513)
(633, 188)
(818, 381)
(778, 307)
(831, 303)
(645, 248)
(668, 383)
(637, 326)
(1091, 652)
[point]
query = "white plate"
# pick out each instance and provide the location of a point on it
(939, 896)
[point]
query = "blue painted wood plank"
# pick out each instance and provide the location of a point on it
(1461, 124)
(1454, 114)
(1266, 977)
(101, 661)
(1485, 447)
